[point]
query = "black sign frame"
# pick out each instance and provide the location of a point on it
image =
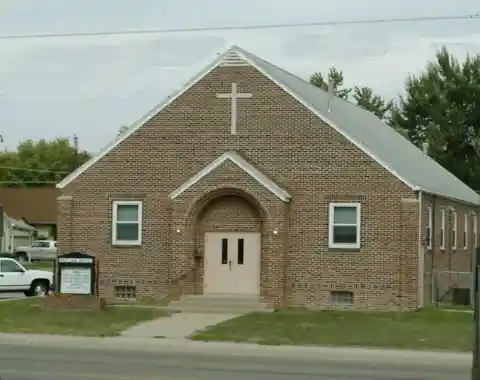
(75, 260)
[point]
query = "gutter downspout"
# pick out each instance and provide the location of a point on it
(421, 253)
(432, 262)
(433, 233)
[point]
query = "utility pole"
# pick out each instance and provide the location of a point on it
(476, 316)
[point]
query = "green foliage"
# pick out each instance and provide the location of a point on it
(361, 96)
(35, 163)
(367, 99)
(441, 108)
(123, 129)
(336, 80)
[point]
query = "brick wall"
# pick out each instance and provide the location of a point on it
(449, 259)
(284, 141)
(69, 302)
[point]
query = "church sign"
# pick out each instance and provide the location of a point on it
(76, 274)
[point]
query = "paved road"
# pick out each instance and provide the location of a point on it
(34, 362)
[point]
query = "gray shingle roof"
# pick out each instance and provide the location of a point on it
(388, 146)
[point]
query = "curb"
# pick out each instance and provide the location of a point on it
(335, 354)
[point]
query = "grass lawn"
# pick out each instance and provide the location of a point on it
(43, 265)
(426, 329)
(450, 306)
(25, 316)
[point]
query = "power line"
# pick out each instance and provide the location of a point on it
(248, 27)
(35, 170)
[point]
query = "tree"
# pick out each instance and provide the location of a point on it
(39, 163)
(367, 99)
(336, 80)
(362, 96)
(441, 109)
(122, 130)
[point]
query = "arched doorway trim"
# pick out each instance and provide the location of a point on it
(199, 204)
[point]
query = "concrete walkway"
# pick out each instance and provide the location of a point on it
(177, 326)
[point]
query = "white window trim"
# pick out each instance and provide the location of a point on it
(116, 241)
(442, 242)
(465, 231)
(475, 226)
(430, 227)
(331, 225)
(454, 228)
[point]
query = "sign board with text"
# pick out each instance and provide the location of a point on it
(76, 274)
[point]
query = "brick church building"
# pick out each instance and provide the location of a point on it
(251, 181)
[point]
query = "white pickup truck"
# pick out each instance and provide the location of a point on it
(39, 250)
(16, 278)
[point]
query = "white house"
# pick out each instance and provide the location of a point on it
(16, 233)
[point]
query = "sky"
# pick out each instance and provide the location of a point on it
(92, 85)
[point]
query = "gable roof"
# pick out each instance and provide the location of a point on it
(246, 166)
(18, 224)
(362, 128)
(35, 205)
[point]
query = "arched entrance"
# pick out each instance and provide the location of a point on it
(228, 228)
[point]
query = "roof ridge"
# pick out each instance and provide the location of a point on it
(325, 92)
(377, 139)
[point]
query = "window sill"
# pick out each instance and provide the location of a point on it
(126, 244)
(343, 248)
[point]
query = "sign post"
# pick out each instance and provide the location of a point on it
(76, 274)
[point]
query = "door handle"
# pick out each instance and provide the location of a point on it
(230, 264)
(1, 275)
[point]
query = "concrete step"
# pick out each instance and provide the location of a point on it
(245, 301)
(219, 303)
(205, 309)
(223, 296)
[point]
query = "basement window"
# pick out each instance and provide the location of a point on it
(126, 292)
(341, 298)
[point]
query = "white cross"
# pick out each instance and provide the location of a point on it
(234, 95)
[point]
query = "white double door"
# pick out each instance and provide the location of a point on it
(232, 262)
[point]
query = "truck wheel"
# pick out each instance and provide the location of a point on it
(21, 257)
(39, 288)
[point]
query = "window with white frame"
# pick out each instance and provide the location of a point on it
(465, 231)
(127, 222)
(454, 230)
(344, 225)
(442, 229)
(429, 232)
(475, 226)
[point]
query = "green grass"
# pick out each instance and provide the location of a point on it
(450, 306)
(426, 329)
(25, 316)
(43, 265)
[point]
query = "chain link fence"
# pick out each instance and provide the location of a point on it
(453, 287)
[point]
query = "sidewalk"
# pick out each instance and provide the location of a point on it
(179, 325)
(239, 349)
